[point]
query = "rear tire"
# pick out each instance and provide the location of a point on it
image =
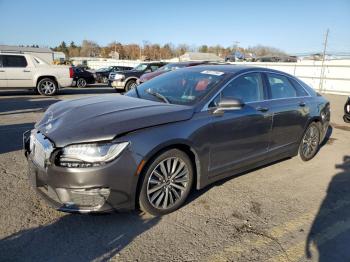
(81, 83)
(47, 87)
(310, 142)
(167, 183)
(105, 80)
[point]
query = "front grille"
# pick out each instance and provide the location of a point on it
(111, 76)
(77, 199)
(89, 198)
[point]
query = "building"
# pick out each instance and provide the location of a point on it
(45, 54)
(59, 56)
(197, 56)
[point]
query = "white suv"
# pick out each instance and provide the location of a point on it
(18, 71)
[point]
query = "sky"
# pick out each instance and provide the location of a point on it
(294, 26)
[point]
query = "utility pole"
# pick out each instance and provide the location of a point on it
(323, 59)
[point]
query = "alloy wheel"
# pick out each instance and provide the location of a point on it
(47, 87)
(81, 82)
(310, 141)
(167, 183)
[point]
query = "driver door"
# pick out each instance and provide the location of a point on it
(240, 136)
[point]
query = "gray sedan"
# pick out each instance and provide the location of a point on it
(179, 131)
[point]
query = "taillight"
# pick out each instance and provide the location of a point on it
(71, 72)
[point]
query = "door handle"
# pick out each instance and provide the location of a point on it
(27, 71)
(302, 104)
(262, 109)
(2, 71)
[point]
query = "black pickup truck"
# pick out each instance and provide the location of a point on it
(103, 73)
(126, 80)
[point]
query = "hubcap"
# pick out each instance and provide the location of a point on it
(310, 141)
(47, 87)
(167, 183)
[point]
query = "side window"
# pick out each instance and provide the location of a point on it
(14, 61)
(281, 87)
(300, 90)
(0, 60)
(248, 88)
(154, 67)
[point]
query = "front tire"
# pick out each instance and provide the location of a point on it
(131, 84)
(167, 183)
(310, 142)
(47, 87)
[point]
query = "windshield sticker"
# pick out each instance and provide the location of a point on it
(210, 72)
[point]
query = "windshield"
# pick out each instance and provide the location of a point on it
(184, 87)
(140, 67)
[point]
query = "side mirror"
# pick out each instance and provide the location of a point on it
(228, 104)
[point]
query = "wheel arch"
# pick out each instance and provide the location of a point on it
(39, 78)
(130, 78)
(180, 145)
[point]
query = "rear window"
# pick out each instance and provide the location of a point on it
(14, 61)
(281, 87)
(300, 90)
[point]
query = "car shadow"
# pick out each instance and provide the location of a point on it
(19, 105)
(75, 237)
(197, 193)
(64, 91)
(328, 136)
(330, 231)
(87, 90)
(11, 136)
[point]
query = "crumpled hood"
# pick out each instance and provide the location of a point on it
(104, 117)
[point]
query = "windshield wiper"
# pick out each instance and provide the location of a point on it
(160, 96)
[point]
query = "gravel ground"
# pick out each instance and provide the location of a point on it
(286, 211)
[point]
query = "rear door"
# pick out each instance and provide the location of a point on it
(18, 70)
(290, 107)
(3, 77)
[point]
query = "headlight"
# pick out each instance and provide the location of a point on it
(87, 155)
(118, 77)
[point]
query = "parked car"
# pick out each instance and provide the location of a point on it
(103, 73)
(82, 77)
(347, 111)
(18, 70)
(167, 68)
(182, 130)
(127, 80)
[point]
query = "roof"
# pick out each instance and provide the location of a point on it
(197, 56)
(226, 68)
(10, 48)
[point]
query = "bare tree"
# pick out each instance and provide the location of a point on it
(89, 48)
